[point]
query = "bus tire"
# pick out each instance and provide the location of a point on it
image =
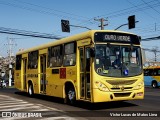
(71, 96)
(154, 84)
(30, 90)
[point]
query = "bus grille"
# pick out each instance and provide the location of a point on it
(122, 94)
(125, 88)
(121, 82)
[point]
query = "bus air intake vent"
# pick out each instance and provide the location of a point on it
(125, 88)
(121, 82)
(122, 94)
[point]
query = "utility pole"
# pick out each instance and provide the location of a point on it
(10, 52)
(102, 22)
(155, 50)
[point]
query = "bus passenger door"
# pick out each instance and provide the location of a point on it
(24, 73)
(85, 72)
(43, 73)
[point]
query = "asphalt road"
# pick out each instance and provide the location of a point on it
(14, 100)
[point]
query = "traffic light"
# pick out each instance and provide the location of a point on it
(65, 26)
(131, 22)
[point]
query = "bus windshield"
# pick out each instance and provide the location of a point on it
(118, 60)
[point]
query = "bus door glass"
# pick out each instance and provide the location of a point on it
(43, 73)
(24, 72)
(85, 72)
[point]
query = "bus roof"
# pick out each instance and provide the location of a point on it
(76, 37)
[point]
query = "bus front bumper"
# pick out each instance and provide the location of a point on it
(101, 96)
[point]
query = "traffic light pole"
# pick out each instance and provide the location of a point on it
(123, 25)
(80, 26)
(66, 26)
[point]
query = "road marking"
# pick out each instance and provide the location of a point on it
(58, 118)
(21, 105)
(11, 118)
(22, 108)
(14, 105)
(54, 109)
(10, 103)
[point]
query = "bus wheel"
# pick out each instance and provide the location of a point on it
(30, 90)
(154, 84)
(71, 96)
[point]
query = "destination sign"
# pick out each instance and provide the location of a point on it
(116, 37)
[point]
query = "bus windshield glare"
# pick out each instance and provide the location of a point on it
(118, 60)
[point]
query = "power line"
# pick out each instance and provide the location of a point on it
(151, 27)
(52, 9)
(42, 11)
(151, 38)
(130, 10)
(112, 14)
(27, 33)
(142, 11)
(41, 6)
(77, 17)
(150, 6)
(46, 12)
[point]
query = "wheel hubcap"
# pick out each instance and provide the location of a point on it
(30, 90)
(154, 85)
(71, 95)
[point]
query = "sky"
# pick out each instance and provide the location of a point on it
(44, 16)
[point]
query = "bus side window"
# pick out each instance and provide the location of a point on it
(33, 60)
(18, 62)
(69, 54)
(158, 72)
(151, 72)
(155, 72)
(55, 56)
(146, 72)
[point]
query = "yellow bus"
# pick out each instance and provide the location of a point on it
(83, 67)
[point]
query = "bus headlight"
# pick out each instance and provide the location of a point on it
(139, 86)
(101, 86)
